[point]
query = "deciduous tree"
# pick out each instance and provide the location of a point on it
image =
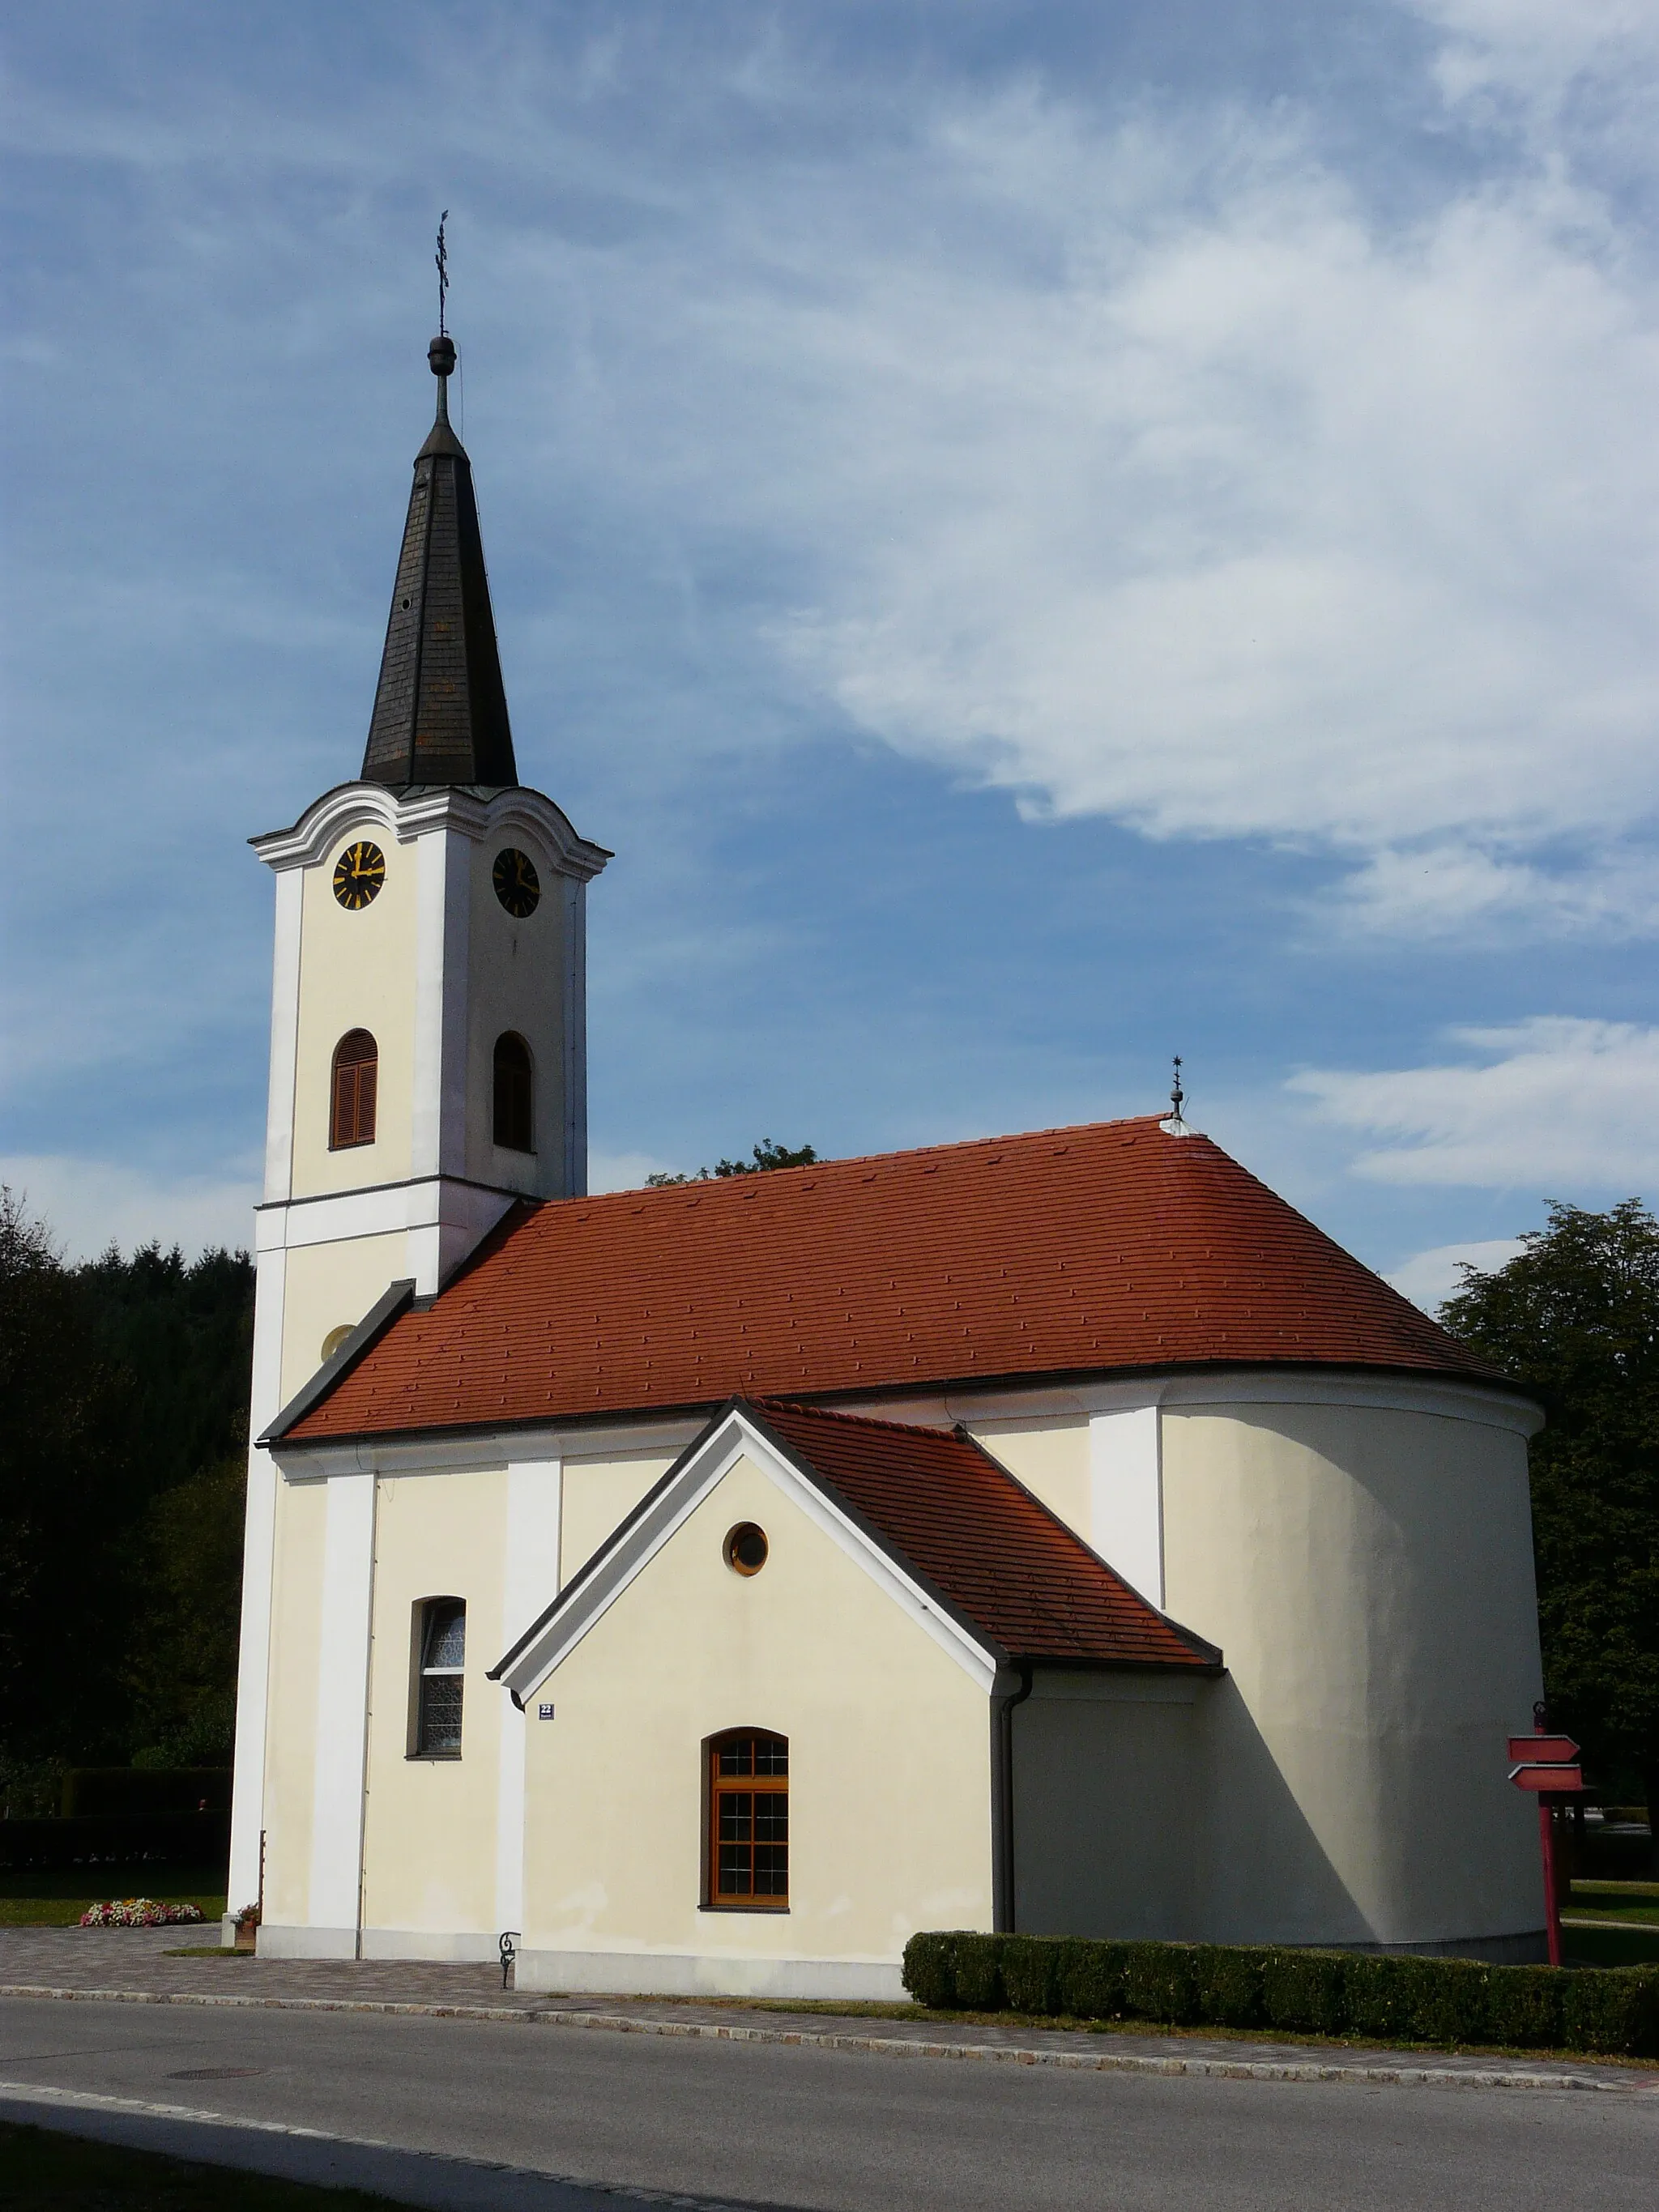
(1574, 1315)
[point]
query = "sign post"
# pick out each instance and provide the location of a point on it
(1548, 1766)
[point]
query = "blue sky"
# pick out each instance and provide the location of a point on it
(1043, 537)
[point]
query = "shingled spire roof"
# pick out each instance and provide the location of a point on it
(440, 709)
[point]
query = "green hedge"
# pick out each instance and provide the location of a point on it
(1419, 2000)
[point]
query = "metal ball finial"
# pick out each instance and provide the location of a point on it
(440, 354)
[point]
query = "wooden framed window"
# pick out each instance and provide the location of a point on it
(353, 1092)
(748, 1840)
(515, 1094)
(439, 1664)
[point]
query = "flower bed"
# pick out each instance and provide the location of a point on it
(139, 1912)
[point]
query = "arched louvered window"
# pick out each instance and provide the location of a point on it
(515, 1094)
(356, 1084)
(746, 1856)
(440, 1665)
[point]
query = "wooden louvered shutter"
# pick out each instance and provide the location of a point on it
(352, 1103)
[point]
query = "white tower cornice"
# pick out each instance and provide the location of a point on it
(474, 812)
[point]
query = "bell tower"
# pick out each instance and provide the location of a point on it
(428, 1038)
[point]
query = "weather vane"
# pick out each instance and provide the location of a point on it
(1177, 1096)
(442, 258)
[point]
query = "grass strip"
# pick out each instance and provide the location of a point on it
(41, 2170)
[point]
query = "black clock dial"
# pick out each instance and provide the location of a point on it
(518, 886)
(358, 874)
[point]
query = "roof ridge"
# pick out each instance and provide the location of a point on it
(699, 1184)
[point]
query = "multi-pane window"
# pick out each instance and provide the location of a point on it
(515, 1094)
(442, 1658)
(352, 1096)
(749, 1820)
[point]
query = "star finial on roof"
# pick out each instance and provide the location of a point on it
(1172, 1125)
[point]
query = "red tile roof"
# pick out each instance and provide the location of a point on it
(1004, 1563)
(1106, 1248)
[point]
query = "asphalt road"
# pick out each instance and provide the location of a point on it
(773, 2126)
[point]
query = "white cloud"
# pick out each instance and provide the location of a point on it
(1428, 1279)
(1456, 889)
(90, 1204)
(1257, 518)
(1553, 1105)
(1126, 455)
(1536, 51)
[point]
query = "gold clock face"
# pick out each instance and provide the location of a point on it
(358, 874)
(518, 886)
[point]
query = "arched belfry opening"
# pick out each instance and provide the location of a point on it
(514, 1094)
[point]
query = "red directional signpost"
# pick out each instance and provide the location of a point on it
(1548, 1766)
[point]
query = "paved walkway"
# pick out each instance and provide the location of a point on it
(131, 1964)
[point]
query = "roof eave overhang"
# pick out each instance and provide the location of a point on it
(394, 1300)
(851, 1395)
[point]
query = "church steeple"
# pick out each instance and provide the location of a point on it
(441, 707)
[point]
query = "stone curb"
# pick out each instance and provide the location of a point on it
(1107, 2061)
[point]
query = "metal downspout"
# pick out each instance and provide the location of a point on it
(1008, 1689)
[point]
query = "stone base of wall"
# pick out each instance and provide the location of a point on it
(685, 1974)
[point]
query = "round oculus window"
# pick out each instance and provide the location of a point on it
(746, 1548)
(518, 886)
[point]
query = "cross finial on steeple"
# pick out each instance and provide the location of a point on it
(440, 708)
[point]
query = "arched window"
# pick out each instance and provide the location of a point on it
(439, 1660)
(748, 1845)
(356, 1080)
(515, 1094)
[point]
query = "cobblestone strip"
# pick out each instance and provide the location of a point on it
(1105, 2062)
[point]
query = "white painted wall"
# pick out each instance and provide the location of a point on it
(336, 1815)
(1367, 1569)
(530, 1582)
(1108, 1772)
(1126, 1494)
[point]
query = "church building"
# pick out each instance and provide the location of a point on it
(713, 1585)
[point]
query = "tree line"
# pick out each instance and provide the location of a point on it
(124, 1394)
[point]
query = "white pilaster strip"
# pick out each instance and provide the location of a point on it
(1126, 1482)
(457, 982)
(336, 1817)
(530, 1582)
(426, 1076)
(575, 1037)
(284, 1038)
(258, 1564)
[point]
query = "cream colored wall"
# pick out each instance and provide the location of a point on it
(1369, 1576)
(429, 1827)
(291, 1737)
(599, 1493)
(890, 1805)
(1050, 1457)
(356, 971)
(516, 971)
(1107, 1815)
(327, 1286)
